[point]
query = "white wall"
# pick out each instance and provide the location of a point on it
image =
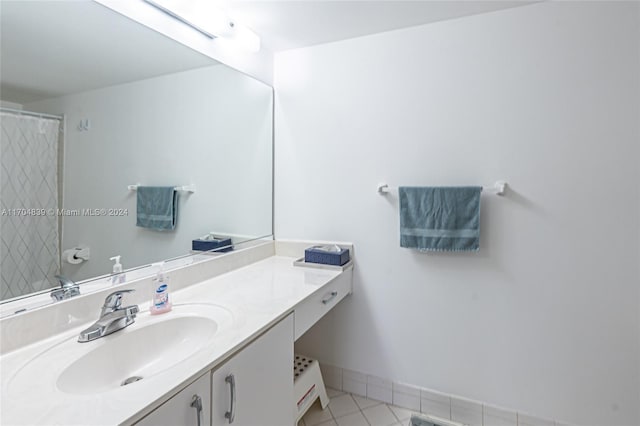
(12, 105)
(545, 318)
(211, 127)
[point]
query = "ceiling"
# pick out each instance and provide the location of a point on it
(51, 48)
(286, 25)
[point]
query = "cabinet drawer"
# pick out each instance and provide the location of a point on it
(310, 310)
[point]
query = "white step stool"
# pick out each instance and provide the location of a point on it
(307, 385)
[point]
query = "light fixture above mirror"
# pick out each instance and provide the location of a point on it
(210, 21)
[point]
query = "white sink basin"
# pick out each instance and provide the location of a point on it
(142, 352)
(136, 354)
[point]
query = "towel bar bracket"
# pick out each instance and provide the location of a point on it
(499, 187)
(383, 189)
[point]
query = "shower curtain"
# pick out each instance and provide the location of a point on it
(29, 239)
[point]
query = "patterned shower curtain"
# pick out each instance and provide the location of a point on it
(29, 244)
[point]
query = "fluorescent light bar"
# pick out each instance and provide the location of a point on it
(207, 19)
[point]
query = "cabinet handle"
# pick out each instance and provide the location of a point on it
(196, 402)
(231, 414)
(330, 298)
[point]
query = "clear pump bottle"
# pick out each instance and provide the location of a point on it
(118, 277)
(160, 302)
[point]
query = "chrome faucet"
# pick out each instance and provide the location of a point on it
(113, 317)
(67, 289)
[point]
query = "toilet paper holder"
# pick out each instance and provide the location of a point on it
(76, 255)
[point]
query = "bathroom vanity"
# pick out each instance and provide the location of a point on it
(225, 351)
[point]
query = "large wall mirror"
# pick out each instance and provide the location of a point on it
(93, 103)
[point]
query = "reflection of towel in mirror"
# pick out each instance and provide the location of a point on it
(440, 218)
(157, 207)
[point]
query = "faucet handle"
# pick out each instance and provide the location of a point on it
(114, 301)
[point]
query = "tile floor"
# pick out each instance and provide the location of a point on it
(351, 410)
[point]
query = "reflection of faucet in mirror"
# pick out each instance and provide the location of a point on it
(113, 317)
(67, 289)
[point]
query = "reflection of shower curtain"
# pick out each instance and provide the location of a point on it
(29, 250)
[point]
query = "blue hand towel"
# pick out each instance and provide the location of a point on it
(440, 218)
(157, 207)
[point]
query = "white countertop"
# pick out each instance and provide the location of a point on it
(257, 295)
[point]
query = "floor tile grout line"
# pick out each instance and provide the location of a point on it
(395, 415)
(377, 403)
(335, 419)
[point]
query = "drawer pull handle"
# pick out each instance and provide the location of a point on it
(196, 402)
(231, 414)
(330, 298)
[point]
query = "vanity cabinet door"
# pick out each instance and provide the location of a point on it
(182, 409)
(255, 386)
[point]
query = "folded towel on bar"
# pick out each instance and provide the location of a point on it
(157, 207)
(440, 218)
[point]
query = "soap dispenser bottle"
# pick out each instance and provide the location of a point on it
(118, 277)
(160, 302)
